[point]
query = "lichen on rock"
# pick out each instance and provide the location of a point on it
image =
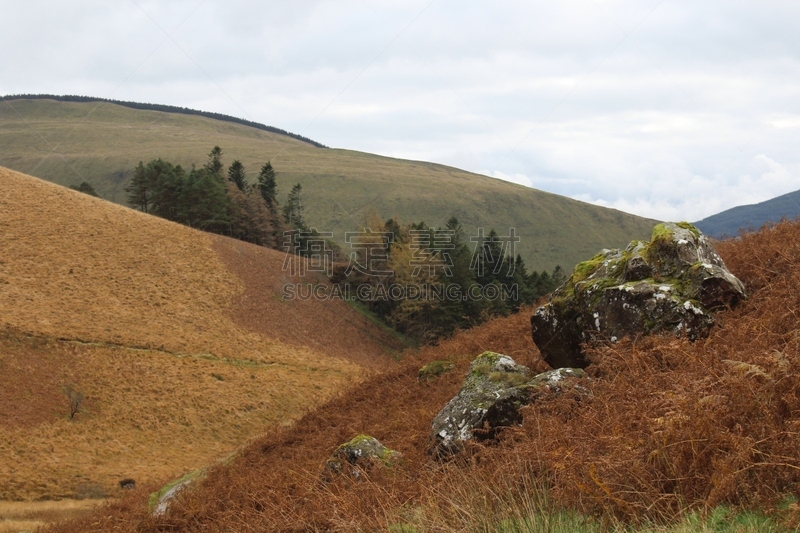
(357, 456)
(490, 398)
(672, 284)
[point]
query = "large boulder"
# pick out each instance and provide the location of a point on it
(672, 284)
(358, 456)
(491, 396)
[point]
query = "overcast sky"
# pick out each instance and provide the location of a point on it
(668, 109)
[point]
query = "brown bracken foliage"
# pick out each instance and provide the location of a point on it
(670, 426)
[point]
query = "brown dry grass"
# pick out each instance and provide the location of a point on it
(77, 267)
(148, 415)
(671, 426)
(30, 516)
(144, 317)
(333, 328)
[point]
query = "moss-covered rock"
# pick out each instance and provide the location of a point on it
(160, 500)
(558, 380)
(434, 369)
(671, 284)
(359, 455)
(491, 396)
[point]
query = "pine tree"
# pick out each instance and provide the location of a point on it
(526, 292)
(167, 182)
(214, 164)
(205, 203)
(268, 187)
(491, 250)
(558, 276)
(293, 210)
(236, 174)
(139, 190)
(464, 312)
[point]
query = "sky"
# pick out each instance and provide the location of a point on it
(669, 109)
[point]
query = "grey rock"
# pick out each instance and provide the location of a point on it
(490, 398)
(672, 284)
(358, 456)
(166, 499)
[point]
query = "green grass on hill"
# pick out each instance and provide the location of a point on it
(100, 142)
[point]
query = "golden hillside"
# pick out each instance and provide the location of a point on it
(179, 341)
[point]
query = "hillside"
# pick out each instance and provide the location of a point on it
(100, 142)
(178, 340)
(751, 217)
(670, 427)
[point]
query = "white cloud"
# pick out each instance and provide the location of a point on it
(694, 112)
(708, 195)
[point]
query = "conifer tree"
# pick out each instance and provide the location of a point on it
(293, 210)
(236, 174)
(268, 187)
(205, 203)
(214, 164)
(139, 190)
(168, 182)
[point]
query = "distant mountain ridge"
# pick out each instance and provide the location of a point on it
(752, 216)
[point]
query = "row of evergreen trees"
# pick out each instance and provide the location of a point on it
(210, 199)
(479, 280)
(465, 282)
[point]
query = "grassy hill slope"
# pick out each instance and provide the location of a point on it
(670, 427)
(751, 217)
(178, 340)
(100, 142)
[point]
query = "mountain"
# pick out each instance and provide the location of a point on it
(751, 217)
(68, 142)
(175, 344)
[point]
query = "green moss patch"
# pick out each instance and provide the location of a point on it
(691, 228)
(435, 369)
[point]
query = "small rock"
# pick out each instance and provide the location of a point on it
(164, 501)
(358, 456)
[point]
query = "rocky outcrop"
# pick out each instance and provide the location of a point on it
(672, 284)
(358, 456)
(490, 398)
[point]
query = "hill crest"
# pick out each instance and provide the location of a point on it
(163, 108)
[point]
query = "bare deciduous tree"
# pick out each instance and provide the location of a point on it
(75, 400)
